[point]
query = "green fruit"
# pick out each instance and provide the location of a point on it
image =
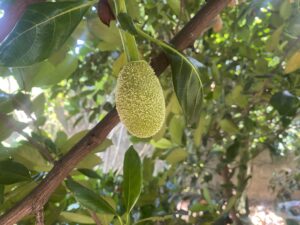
(140, 100)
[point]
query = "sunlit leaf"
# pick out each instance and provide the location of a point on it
(42, 30)
(292, 63)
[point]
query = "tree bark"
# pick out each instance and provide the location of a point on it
(40, 195)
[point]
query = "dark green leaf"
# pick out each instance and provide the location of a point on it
(89, 199)
(232, 151)
(132, 184)
(285, 103)
(89, 173)
(187, 85)
(126, 23)
(41, 31)
(13, 172)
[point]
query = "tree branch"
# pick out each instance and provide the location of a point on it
(40, 195)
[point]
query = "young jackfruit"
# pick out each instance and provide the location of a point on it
(140, 100)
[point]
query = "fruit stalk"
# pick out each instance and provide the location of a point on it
(128, 41)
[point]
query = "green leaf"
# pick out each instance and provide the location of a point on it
(72, 141)
(109, 36)
(89, 162)
(89, 173)
(175, 6)
(30, 157)
(38, 105)
(292, 63)
(232, 151)
(176, 156)
(162, 143)
(229, 127)
(132, 184)
(285, 10)
(206, 196)
(103, 146)
(6, 103)
(236, 97)
(41, 31)
(89, 199)
(8, 125)
(273, 42)
(12, 172)
(285, 103)
(76, 218)
(187, 84)
(176, 129)
(50, 74)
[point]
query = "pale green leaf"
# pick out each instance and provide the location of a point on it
(76, 218)
(292, 63)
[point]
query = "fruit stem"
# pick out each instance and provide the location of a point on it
(128, 40)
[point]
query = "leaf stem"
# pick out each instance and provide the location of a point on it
(128, 40)
(120, 220)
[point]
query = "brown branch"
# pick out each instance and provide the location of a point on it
(95, 217)
(40, 217)
(40, 195)
(13, 13)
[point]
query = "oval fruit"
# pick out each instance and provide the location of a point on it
(140, 100)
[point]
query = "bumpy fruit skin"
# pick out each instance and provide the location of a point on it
(139, 99)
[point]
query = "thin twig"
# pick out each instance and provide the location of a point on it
(40, 217)
(95, 217)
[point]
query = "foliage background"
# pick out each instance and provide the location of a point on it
(250, 75)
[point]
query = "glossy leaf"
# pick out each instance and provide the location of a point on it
(89, 199)
(132, 184)
(41, 31)
(285, 103)
(13, 172)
